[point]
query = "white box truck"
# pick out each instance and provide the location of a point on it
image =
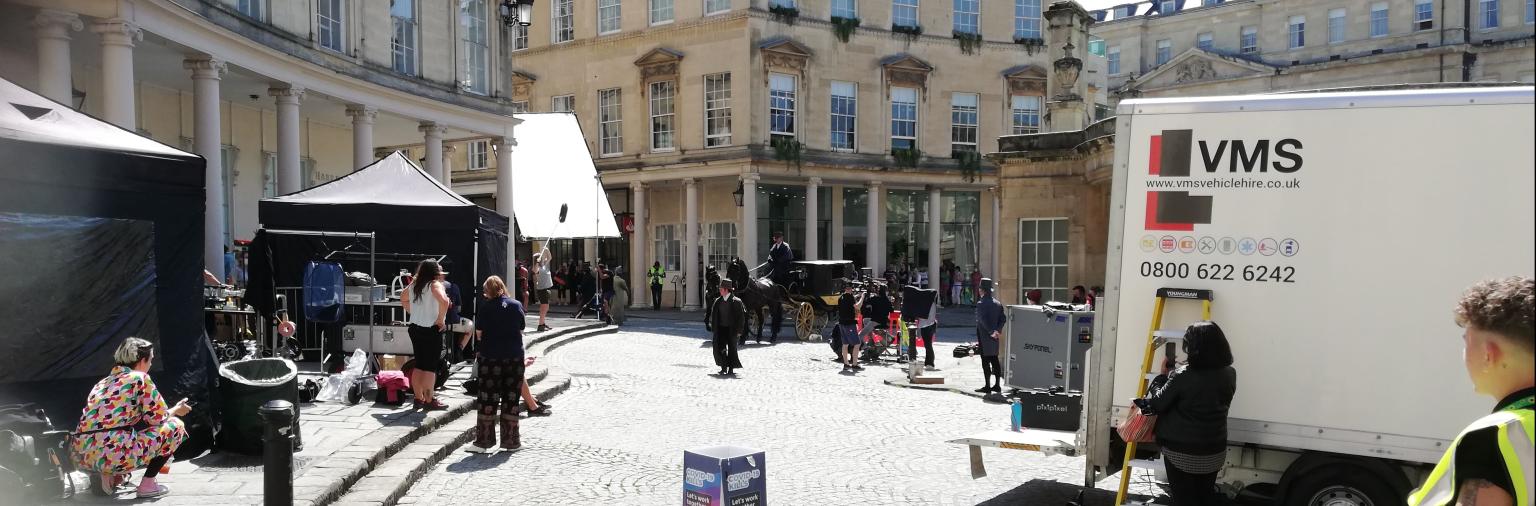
(1335, 230)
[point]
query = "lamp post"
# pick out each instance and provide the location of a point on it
(738, 194)
(516, 11)
(513, 13)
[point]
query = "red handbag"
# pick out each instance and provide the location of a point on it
(1138, 427)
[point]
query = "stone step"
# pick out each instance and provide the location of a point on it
(346, 468)
(386, 482)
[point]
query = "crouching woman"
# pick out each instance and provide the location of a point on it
(126, 426)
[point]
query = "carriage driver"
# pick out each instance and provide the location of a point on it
(780, 256)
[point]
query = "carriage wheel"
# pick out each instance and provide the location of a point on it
(805, 321)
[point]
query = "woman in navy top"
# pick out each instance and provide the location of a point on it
(500, 332)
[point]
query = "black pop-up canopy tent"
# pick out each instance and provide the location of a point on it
(409, 213)
(101, 235)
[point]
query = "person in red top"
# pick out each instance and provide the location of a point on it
(522, 283)
(976, 284)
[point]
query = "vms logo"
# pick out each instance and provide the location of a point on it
(1170, 156)
(1174, 210)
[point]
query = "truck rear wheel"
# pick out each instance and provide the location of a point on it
(1342, 485)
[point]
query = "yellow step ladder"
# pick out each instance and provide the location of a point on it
(1155, 337)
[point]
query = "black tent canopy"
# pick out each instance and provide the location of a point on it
(408, 211)
(101, 234)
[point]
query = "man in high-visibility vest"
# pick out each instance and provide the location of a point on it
(1491, 462)
(656, 275)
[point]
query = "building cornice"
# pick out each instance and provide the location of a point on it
(345, 81)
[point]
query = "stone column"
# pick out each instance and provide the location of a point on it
(1066, 107)
(749, 219)
(690, 258)
(872, 257)
(207, 142)
(997, 219)
(836, 248)
(447, 178)
(288, 171)
(434, 142)
(362, 134)
(935, 217)
(53, 64)
(640, 287)
(117, 38)
(812, 219)
(504, 200)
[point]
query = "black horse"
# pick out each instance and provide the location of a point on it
(756, 293)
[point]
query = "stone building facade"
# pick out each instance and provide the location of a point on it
(860, 142)
(279, 95)
(1213, 47)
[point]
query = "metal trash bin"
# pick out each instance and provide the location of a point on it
(245, 385)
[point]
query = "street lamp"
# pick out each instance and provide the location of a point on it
(516, 11)
(738, 194)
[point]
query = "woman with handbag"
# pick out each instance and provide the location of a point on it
(1191, 404)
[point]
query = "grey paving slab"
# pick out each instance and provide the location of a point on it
(639, 398)
(342, 442)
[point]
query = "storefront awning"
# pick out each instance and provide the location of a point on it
(556, 193)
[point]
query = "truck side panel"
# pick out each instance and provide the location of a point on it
(1336, 236)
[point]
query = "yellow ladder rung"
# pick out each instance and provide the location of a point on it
(1154, 335)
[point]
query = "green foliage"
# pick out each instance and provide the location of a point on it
(969, 42)
(907, 157)
(788, 150)
(844, 27)
(970, 164)
(784, 13)
(911, 31)
(1031, 45)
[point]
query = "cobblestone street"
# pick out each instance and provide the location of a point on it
(641, 397)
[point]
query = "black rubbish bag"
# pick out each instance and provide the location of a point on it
(247, 384)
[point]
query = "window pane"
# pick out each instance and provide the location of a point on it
(904, 13)
(781, 104)
(1043, 253)
(662, 115)
(1061, 229)
(1030, 279)
(717, 106)
(661, 11)
(609, 16)
(967, 16)
(1027, 231)
(1060, 254)
(1061, 278)
(844, 119)
(845, 9)
(1026, 19)
(1027, 255)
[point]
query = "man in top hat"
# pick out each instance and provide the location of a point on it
(989, 332)
(780, 258)
(728, 318)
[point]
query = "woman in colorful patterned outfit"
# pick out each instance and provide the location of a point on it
(126, 425)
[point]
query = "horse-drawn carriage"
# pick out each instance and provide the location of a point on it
(809, 300)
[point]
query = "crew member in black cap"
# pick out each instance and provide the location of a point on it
(989, 330)
(728, 317)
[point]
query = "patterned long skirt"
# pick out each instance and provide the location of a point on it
(501, 383)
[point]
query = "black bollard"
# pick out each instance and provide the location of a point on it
(277, 470)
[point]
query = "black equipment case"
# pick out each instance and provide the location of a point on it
(1044, 409)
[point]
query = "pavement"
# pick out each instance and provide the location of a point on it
(345, 445)
(640, 397)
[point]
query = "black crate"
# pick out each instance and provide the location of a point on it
(1051, 411)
